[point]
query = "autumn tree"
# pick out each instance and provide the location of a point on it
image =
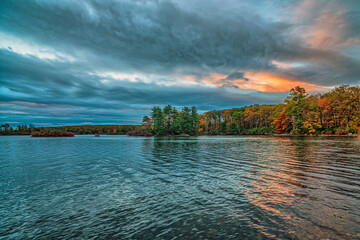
(295, 108)
(282, 122)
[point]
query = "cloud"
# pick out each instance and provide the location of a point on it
(66, 97)
(229, 81)
(154, 35)
(236, 76)
(88, 59)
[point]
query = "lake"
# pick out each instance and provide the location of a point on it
(220, 187)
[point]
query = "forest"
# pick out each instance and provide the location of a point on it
(6, 129)
(335, 112)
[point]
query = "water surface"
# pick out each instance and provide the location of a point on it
(180, 188)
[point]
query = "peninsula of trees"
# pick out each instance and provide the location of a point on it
(335, 112)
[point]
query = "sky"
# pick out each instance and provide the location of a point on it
(108, 62)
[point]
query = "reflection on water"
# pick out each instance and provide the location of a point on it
(167, 188)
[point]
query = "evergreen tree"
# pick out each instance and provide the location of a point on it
(222, 127)
(186, 121)
(175, 122)
(158, 121)
(167, 119)
(195, 121)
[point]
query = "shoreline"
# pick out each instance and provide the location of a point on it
(268, 135)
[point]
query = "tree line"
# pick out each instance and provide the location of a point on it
(6, 129)
(334, 112)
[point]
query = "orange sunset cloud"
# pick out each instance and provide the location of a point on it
(263, 82)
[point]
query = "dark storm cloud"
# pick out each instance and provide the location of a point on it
(145, 34)
(48, 82)
(236, 76)
(228, 81)
(45, 92)
(162, 43)
(158, 35)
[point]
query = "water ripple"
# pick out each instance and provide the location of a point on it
(118, 187)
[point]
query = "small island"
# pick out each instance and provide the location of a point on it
(53, 134)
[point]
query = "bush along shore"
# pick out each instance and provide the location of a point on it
(336, 112)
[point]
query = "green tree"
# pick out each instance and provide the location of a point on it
(233, 128)
(238, 117)
(222, 127)
(175, 122)
(195, 121)
(158, 121)
(167, 119)
(186, 121)
(295, 108)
